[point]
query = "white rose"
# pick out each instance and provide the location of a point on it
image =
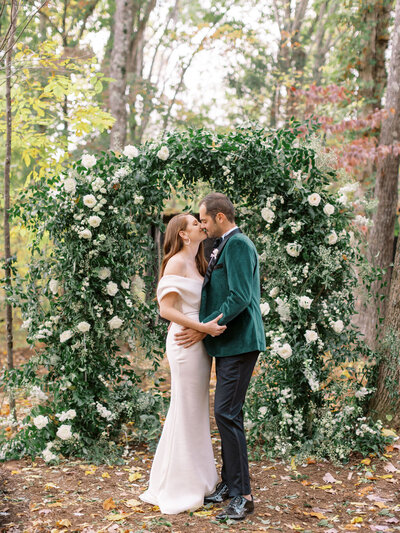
(293, 249)
(163, 153)
(115, 322)
(85, 234)
(41, 421)
(65, 335)
(338, 326)
(89, 200)
(332, 237)
(263, 410)
(66, 415)
(64, 432)
(314, 199)
(130, 151)
(48, 455)
(329, 209)
(112, 288)
(94, 221)
(125, 284)
(285, 351)
(69, 185)
(305, 302)
(83, 327)
(104, 273)
(274, 292)
(311, 335)
(53, 286)
(26, 324)
(268, 215)
(362, 392)
(88, 161)
(264, 308)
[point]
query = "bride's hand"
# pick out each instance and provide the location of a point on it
(213, 328)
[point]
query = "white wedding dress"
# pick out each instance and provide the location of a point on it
(183, 470)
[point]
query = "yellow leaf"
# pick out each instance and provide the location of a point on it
(366, 461)
(135, 476)
(203, 513)
(293, 463)
(64, 522)
(109, 504)
(357, 520)
(325, 487)
(386, 476)
(55, 504)
(381, 505)
(50, 486)
(105, 474)
(388, 433)
(320, 516)
(117, 517)
(133, 503)
(15, 472)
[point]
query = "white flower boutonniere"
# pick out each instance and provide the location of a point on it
(214, 254)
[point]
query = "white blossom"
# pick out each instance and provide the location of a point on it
(66, 415)
(48, 455)
(268, 215)
(65, 335)
(36, 392)
(64, 432)
(332, 238)
(285, 351)
(293, 249)
(69, 185)
(329, 209)
(53, 286)
(26, 323)
(41, 421)
(115, 322)
(163, 153)
(264, 308)
(88, 161)
(263, 410)
(104, 273)
(137, 200)
(83, 327)
(274, 292)
(311, 335)
(94, 221)
(85, 234)
(89, 200)
(314, 199)
(361, 392)
(112, 288)
(338, 326)
(130, 151)
(305, 302)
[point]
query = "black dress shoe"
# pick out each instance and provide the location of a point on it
(220, 494)
(237, 509)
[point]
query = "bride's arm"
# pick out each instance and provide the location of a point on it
(169, 309)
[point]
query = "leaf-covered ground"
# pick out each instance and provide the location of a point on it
(363, 495)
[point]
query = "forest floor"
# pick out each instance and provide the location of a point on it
(363, 495)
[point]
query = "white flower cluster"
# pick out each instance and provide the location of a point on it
(66, 415)
(305, 302)
(295, 226)
(283, 309)
(311, 376)
(104, 412)
(47, 454)
(36, 392)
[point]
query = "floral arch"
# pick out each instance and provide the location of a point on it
(80, 300)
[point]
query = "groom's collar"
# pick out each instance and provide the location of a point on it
(228, 232)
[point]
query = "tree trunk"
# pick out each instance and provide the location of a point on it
(7, 167)
(123, 21)
(381, 240)
(386, 399)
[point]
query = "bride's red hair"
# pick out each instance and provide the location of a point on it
(173, 243)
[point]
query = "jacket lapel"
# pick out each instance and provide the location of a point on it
(210, 268)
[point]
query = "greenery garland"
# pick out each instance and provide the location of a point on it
(93, 260)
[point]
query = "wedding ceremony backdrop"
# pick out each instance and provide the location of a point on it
(110, 118)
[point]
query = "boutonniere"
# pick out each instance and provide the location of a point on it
(214, 254)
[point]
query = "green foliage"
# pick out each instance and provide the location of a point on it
(89, 291)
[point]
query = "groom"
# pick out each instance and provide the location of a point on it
(232, 287)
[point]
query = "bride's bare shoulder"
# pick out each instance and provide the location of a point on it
(176, 266)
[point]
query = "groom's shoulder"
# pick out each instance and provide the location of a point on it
(242, 240)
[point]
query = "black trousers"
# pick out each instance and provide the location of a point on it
(233, 377)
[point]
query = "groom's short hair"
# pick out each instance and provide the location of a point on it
(216, 202)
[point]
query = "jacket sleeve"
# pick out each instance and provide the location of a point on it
(240, 262)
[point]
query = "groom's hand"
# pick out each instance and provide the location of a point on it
(187, 337)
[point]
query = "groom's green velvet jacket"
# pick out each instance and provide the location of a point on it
(234, 290)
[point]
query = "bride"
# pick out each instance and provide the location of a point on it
(183, 470)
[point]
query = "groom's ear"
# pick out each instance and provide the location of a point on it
(220, 218)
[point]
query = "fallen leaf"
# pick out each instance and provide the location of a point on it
(385, 476)
(366, 461)
(203, 513)
(135, 476)
(328, 478)
(109, 504)
(105, 474)
(320, 516)
(357, 520)
(324, 487)
(133, 503)
(117, 516)
(390, 468)
(64, 522)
